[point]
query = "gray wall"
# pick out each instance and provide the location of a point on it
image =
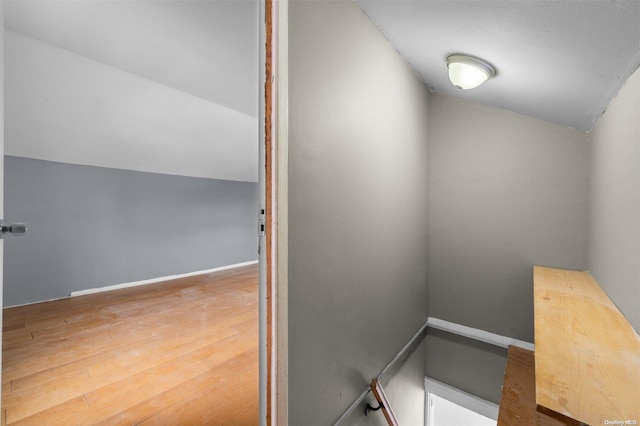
(475, 367)
(506, 192)
(357, 213)
(91, 227)
(614, 201)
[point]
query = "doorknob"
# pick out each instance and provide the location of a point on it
(13, 229)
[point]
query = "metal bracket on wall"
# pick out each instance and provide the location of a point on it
(369, 408)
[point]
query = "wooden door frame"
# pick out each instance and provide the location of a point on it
(274, 150)
(1, 180)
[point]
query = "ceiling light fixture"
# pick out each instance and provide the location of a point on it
(467, 72)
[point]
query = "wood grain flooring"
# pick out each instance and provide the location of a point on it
(180, 352)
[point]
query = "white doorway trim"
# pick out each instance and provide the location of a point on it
(281, 219)
(459, 397)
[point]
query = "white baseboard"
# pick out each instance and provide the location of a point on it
(33, 303)
(476, 334)
(159, 279)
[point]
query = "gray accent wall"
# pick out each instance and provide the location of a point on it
(357, 215)
(614, 201)
(92, 227)
(506, 192)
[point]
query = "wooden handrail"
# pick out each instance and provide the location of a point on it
(420, 334)
(381, 397)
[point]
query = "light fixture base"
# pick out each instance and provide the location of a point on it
(467, 72)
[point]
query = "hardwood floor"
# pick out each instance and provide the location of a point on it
(181, 352)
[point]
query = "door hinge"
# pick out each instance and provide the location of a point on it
(261, 223)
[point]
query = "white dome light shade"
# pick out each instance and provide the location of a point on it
(466, 72)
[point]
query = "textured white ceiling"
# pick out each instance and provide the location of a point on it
(561, 61)
(158, 86)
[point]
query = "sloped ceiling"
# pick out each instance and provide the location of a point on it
(559, 61)
(159, 86)
(178, 80)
